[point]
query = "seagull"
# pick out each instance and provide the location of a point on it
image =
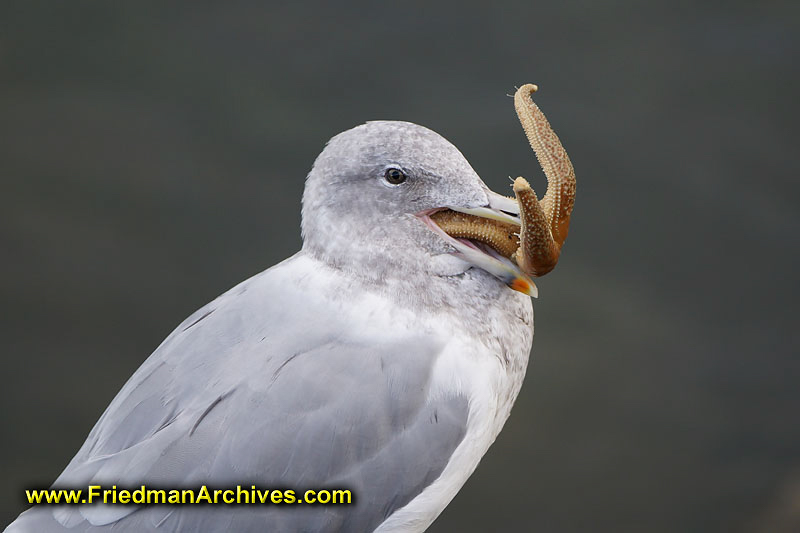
(384, 357)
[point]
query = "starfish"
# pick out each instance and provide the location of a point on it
(534, 241)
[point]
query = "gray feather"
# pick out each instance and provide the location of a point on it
(263, 386)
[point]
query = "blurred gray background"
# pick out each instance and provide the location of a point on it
(153, 155)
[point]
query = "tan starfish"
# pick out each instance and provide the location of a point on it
(545, 224)
(536, 245)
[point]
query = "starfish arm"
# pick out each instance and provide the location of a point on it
(560, 197)
(545, 223)
(537, 253)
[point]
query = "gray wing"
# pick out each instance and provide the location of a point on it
(269, 386)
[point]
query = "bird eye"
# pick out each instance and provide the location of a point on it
(394, 176)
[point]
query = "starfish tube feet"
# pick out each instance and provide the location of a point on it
(501, 236)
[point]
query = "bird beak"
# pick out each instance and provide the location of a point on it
(499, 209)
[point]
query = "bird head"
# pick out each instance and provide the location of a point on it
(374, 192)
(375, 187)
